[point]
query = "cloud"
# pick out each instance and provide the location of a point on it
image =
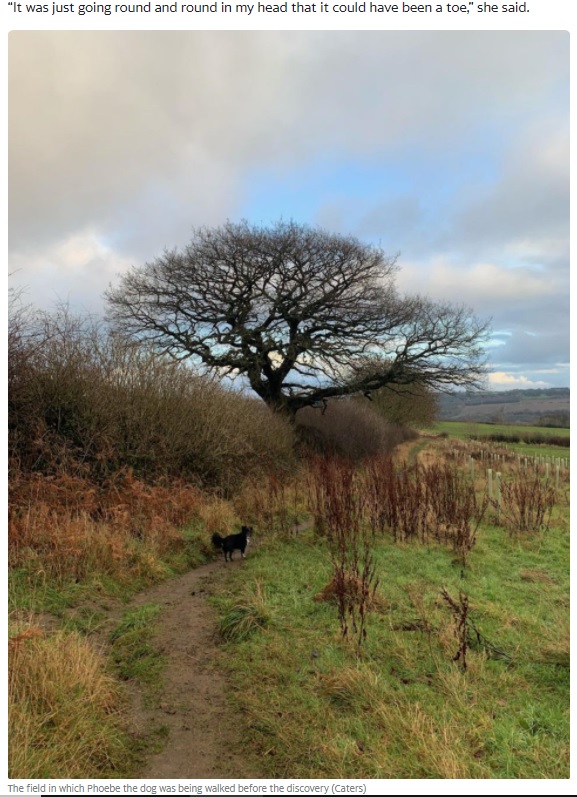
(522, 347)
(75, 269)
(499, 380)
(525, 211)
(528, 305)
(481, 284)
(122, 141)
(97, 118)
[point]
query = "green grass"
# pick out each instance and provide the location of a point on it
(316, 705)
(134, 656)
(67, 707)
(30, 590)
(245, 617)
(478, 431)
(464, 429)
(528, 450)
(402, 707)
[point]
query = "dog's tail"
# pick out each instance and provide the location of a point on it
(217, 540)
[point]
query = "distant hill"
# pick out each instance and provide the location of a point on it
(532, 407)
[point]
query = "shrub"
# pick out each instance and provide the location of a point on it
(348, 429)
(84, 401)
(527, 504)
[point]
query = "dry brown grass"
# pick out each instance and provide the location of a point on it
(350, 686)
(354, 590)
(273, 501)
(122, 500)
(73, 547)
(218, 516)
(68, 527)
(436, 743)
(64, 709)
(536, 574)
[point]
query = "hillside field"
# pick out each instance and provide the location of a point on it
(391, 620)
(400, 705)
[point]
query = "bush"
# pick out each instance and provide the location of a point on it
(407, 405)
(83, 401)
(529, 438)
(348, 429)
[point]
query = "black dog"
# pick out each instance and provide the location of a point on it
(233, 542)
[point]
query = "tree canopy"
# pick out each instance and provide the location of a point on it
(303, 314)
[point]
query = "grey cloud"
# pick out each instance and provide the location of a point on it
(522, 348)
(531, 302)
(383, 89)
(74, 272)
(527, 208)
(97, 118)
(121, 141)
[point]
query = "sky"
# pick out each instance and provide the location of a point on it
(448, 148)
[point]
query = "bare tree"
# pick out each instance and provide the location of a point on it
(297, 311)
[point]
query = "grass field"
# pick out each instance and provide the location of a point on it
(403, 708)
(400, 705)
(463, 430)
(464, 671)
(481, 431)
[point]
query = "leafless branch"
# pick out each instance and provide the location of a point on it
(297, 311)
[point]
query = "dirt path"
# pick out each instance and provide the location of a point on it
(410, 451)
(204, 736)
(204, 733)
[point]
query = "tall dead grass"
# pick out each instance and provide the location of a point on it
(338, 505)
(527, 504)
(274, 501)
(67, 527)
(64, 709)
